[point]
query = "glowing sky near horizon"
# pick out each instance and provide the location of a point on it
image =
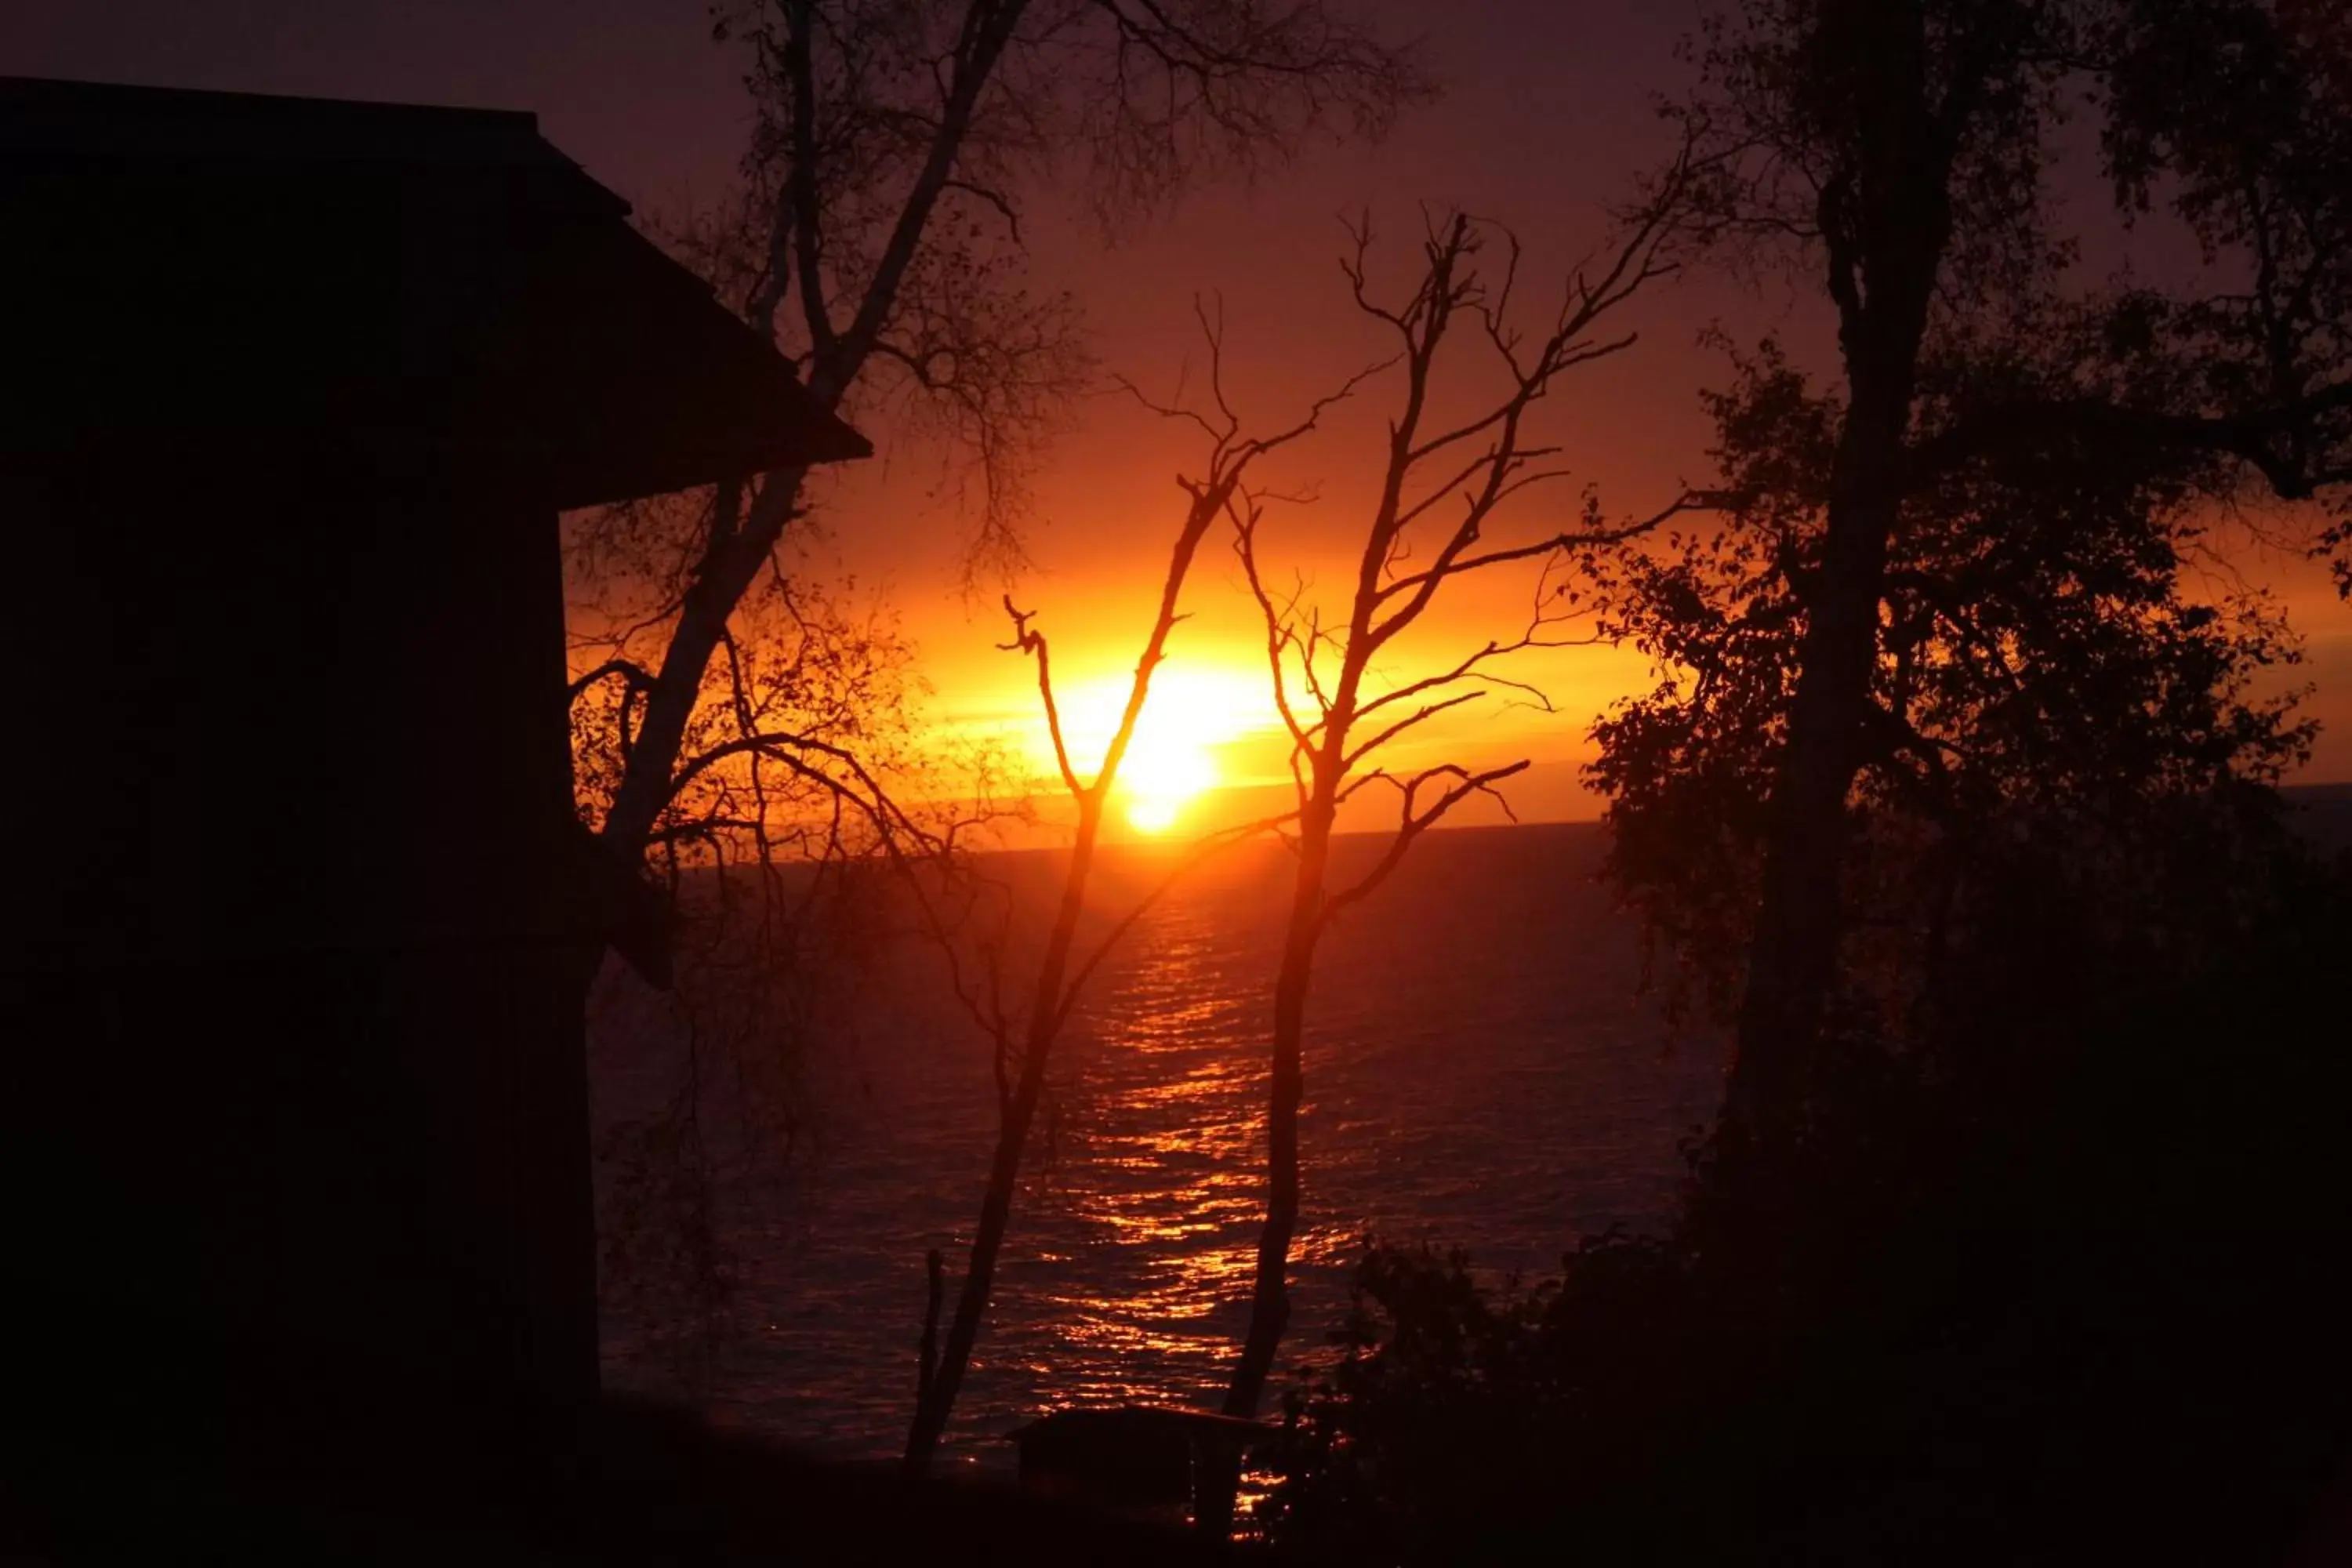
(1546, 115)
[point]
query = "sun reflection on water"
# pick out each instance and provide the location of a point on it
(1167, 1190)
(1452, 1098)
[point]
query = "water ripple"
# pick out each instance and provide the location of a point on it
(1481, 1074)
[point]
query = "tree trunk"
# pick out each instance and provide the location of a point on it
(1270, 1297)
(1792, 959)
(1886, 223)
(938, 1397)
(725, 570)
(1047, 1002)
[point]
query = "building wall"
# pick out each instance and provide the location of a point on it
(292, 1097)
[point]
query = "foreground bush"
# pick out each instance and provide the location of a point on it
(2059, 1290)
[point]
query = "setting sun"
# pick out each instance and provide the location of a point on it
(1172, 759)
(1162, 775)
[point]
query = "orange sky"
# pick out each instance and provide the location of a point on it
(1270, 254)
(1633, 426)
(1546, 113)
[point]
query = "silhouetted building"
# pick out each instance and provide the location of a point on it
(293, 1119)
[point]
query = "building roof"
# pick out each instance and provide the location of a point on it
(436, 291)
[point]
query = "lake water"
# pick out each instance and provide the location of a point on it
(1481, 1072)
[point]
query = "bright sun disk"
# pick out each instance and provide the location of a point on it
(1162, 775)
(1171, 760)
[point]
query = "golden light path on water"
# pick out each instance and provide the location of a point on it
(1479, 1073)
(1182, 1184)
(1185, 1182)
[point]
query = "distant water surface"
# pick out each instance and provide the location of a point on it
(1481, 1073)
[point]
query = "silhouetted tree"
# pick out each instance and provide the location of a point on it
(1454, 484)
(2045, 694)
(877, 237)
(732, 710)
(1020, 1067)
(781, 884)
(1899, 151)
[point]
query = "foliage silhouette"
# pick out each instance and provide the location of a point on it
(1898, 156)
(2077, 1303)
(2046, 686)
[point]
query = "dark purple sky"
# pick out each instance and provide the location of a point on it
(632, 89)
(1546, 116)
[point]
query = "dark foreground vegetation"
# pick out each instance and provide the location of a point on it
(2041, 1282)
(179, 1472)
